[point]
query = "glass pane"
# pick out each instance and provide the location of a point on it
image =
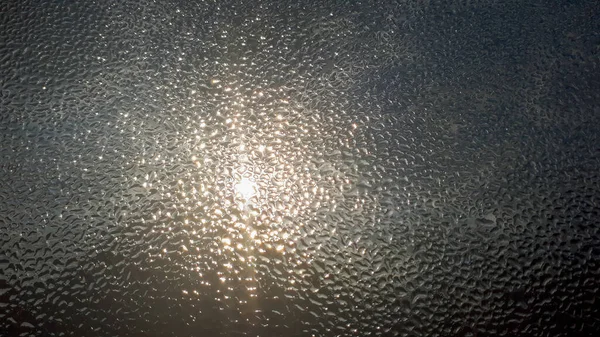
(290, 168)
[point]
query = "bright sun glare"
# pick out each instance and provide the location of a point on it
(246, 188)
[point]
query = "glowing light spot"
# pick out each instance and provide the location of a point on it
(246, 188)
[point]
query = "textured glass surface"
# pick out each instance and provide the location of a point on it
(299, 168)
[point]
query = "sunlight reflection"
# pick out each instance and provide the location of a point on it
(256, 179)
(245, 188)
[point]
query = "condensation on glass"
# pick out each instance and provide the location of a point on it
(282, 168)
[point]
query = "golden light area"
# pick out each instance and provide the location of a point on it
(255, 176)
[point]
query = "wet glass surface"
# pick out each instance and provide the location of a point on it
(274, 168)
